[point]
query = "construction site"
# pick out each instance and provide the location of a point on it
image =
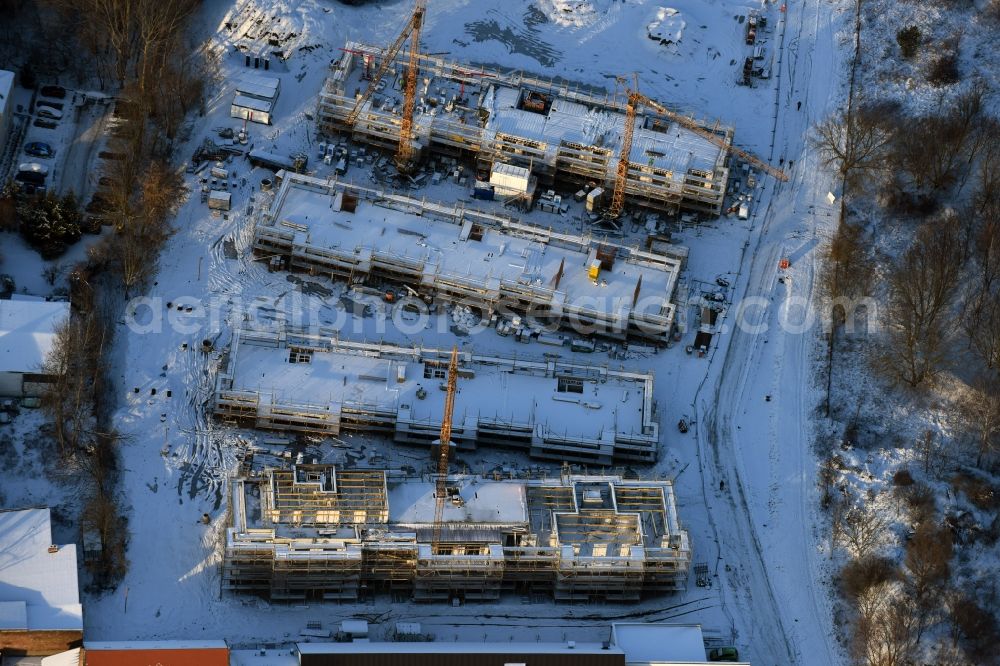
(306, 383)
(564, 134)
(489, 262)
(318, 532)
(314, 532)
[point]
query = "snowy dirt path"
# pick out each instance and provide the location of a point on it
(78, 177)
(755, 435)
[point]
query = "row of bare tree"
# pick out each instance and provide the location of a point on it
(85, 441)
(927, 155)
(142, 50)
(139, 49)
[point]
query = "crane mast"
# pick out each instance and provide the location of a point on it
(621, 176)
(404, 155)
(412, 28)
(444, 442)
(635, 98)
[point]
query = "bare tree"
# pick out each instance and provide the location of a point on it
(938, 149)
(863, 529)
(987, 176)
(885, 634)
(922, 286)
(73, 363)
(973, 625)
(844, 275)
(981, 312)
(981, 412)
(145, 227)
(853, 142)
(927, 563)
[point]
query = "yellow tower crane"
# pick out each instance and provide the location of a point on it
(444, 443)
(633, 99)
(404, 155)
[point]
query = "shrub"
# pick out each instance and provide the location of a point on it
(980, 492)
(923, 506)
(992, 10)
(902, 478)
(909, 39)
(976, 625)
(944, 70)
(859, 576)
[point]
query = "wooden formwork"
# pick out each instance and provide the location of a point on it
(583, 540)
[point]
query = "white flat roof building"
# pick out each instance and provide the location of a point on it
(39, 590)
(27, 335)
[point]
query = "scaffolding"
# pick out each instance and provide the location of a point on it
(600, 428)
(349, 253)
(577, 538)
(493, 116)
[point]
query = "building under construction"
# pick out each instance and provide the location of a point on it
(314, 532)
(450, 253)
(300, 382)
(564, 134)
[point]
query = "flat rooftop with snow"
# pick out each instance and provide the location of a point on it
(28, 328)
(564, 132)
(40, 608)
(492, 262)
(304, 382)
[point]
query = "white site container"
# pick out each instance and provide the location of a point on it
(510, 178)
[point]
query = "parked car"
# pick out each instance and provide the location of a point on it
(723, 654)
(32, 171)
(39, 149)
(46, 112)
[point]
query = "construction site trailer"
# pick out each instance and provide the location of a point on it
(260, 87)
(252, 109)
(219, 200)
(507, 178)
(276, 161)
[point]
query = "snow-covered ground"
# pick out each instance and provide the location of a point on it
(744, 474)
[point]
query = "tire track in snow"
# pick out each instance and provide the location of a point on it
(717, 439)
